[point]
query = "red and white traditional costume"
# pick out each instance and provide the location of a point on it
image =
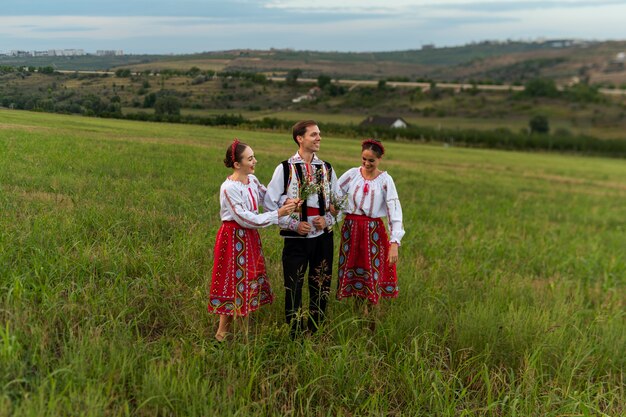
(364, 269)
(239, 282)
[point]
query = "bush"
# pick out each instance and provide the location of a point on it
(560, 132)
(122, 73)
(292, 76)
(149, 100)
(323, 81)
(167, 106)
(541, 87)
(583, 93)
(46, 70)
(193, 71)
(335, 90)
(539, 124)
(198, 80)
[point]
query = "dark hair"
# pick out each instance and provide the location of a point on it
(299, 129)
(373, 145)
(239, 148)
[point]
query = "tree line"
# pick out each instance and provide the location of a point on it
(167, 108)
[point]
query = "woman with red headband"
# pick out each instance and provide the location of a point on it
(367, 255)
(239, 282)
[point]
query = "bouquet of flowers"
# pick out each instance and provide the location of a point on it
(308, 187)
(338, 203)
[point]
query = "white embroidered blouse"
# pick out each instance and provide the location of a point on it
(373, 198)
(240, 202)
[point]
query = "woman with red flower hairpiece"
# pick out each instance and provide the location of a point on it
(367, 255)
(239, 282)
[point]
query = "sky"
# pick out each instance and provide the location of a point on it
(188, 26)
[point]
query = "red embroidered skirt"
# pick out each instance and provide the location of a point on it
(239, 282)
(364, 269)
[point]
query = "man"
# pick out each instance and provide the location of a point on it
(308, 235)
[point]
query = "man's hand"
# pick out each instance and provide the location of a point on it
(304, 228)
(319, 222)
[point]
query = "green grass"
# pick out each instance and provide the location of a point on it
(511, 283)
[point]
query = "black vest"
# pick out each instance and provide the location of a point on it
(320, 195)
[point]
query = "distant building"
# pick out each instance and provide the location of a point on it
(428, 46)
(389, 122)
(49, 52)
(312, 94)
(110, 52)
(66, 52)
(617, 64)
(20, 54)
(74, 52)
(559, 43)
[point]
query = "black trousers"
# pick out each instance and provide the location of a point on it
(316, 254)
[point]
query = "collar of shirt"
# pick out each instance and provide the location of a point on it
(297, 159)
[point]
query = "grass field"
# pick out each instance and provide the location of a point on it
(511, 283)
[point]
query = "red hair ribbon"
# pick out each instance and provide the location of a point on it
(233, 149)
(374, 142)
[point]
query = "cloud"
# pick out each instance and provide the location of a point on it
(391, 5)
(138, 8)
(529, 5)
(330, 25)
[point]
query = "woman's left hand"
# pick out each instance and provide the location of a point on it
(393, 253)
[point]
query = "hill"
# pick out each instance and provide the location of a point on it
(571, 91)
(579, 109)
(508, 62)
(499, 62)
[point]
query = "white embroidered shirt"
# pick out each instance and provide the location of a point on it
(373, 198)
(240, 202)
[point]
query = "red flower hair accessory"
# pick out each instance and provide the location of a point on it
(234, 148)
(376, 143)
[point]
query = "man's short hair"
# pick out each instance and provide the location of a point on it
(299, 129)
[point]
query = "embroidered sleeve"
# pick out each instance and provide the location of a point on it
(274, 199)
(274, 192)
(236, 205)
(289, 222)
(394, 211)
(345, 180)
(337, 194)
(262, 190)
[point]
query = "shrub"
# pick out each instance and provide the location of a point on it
(122, 73)
(539, 124)
(541, 87)
(149, 100)
(167, 106)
